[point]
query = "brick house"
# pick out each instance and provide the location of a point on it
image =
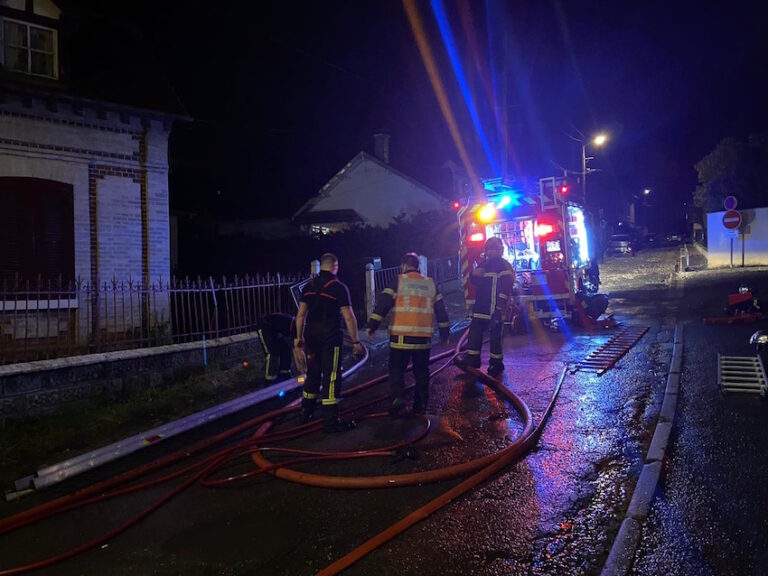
(83, 155)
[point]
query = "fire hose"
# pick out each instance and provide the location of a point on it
(205, 470)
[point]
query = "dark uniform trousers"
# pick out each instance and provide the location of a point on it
(323, 371)
(477, 328)
(398, 362)
(275, 345)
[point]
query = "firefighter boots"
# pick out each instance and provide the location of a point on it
(307, 410)
(496, 369)
(339, 426)
(396, 408)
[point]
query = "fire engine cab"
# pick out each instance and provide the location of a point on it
(545, 238)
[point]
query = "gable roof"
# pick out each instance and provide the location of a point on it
(327, 189)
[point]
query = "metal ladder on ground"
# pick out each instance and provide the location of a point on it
(744, 374)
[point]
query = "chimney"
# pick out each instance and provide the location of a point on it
(381, 146)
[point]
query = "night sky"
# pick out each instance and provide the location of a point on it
(283, 94)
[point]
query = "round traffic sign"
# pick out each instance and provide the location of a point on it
(730, 202)
(732, 219)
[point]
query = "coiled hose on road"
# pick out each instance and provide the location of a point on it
(204, 470)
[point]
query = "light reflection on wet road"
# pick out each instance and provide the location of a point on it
(551, 513)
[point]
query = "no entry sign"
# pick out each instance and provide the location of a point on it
(732, 219)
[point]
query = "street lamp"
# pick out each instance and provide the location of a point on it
(646, 191)
(598, 140)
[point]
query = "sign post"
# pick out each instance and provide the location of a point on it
(731, 222)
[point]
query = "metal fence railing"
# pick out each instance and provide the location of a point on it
(384, 277)
(40, 320)
(441, 270)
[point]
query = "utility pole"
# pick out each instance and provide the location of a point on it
(584, 173)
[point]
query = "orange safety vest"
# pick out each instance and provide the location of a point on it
(414, 311)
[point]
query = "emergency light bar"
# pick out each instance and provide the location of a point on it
(543, 229)
(477, 237)
(487, 212)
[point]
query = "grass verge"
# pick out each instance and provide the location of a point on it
(30, 443)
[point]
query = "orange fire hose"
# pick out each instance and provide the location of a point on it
(202, 471)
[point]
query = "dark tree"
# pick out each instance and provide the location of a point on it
(733, 168)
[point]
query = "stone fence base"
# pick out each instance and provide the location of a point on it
(43, 386)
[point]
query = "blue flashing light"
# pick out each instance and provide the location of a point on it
(281, 393)
(458, 70)
(509, 200)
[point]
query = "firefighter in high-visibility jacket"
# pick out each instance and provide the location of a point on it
(416, 303)
(494, 279)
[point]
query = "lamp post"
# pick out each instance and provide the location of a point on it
(598, 140)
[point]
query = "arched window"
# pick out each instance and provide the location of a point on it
(36, 230)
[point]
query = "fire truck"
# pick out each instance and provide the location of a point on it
(544, 232)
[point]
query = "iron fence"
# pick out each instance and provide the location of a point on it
(441, 270)
(40, 320)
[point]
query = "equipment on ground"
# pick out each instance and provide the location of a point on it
(745, 374)
(743, 308)
(606, 356)
(759, 340)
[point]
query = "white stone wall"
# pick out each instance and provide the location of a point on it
(752, 237)
(64, 145)
(98, 151)
(119, 226)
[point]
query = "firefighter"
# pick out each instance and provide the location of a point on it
(416, 303)
(592, 305)
(324, 303)
(276, 334)
(494, 279)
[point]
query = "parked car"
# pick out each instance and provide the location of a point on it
(621, 244)
(674, 237)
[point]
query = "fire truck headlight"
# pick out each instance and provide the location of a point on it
(487, 213)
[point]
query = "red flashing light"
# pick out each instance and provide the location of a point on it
(456, 205)
(564, 189)
(543, 229)
(476, 237)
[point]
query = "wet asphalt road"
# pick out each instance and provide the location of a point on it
(711, 515)
(554, 512)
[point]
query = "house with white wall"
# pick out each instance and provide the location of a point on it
(367, 191)
(746, 245)
(83, 162)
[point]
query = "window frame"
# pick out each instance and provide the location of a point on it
(40, 199)
(29, 25)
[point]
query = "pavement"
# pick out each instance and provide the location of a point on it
(710, 515)
(554, 512)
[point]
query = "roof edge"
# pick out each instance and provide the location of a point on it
(55, 93)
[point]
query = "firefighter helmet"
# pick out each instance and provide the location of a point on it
(494, 243)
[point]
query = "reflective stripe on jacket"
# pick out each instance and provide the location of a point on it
(414, 306)
(494, 288)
